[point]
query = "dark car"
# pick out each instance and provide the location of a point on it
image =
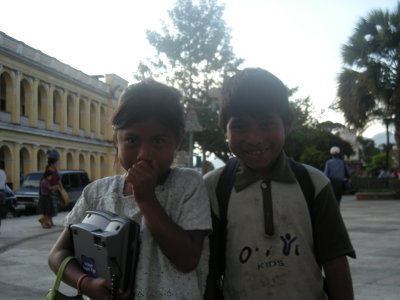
(73, 182)
(10, 208)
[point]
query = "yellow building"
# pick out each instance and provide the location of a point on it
(46, 104)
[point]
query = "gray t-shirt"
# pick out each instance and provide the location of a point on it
(184, 198)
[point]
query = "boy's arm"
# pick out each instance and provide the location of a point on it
(338, 277)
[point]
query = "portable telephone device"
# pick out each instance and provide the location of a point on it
(107, 245)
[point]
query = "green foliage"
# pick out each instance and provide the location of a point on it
(369, 84)
(310, 141)
(194, 54)
(314, 157)
(367, 150)
(378, 163)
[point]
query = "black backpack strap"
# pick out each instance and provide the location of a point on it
(304, 180)
(224, 187)
(223, 192)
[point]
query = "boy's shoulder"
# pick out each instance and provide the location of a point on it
(318, 178)
(213, 176)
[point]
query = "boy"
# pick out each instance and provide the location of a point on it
(275, 244)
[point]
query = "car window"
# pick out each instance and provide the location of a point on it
(65, 180)
(32, 181)
(84, 179)
(75, 180)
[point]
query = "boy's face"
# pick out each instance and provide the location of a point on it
(148, 140)
(257, 141)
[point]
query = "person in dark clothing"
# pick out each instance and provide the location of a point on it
(45, 202)
(338, 172)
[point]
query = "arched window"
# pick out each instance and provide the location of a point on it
(57, 107)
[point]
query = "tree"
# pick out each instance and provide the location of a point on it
(369, 84)
(310, 141)
(194, 54)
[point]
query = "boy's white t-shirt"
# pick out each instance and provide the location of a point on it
(184, 198)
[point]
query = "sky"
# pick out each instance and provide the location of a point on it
(297, 40)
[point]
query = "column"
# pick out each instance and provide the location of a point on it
(14, 176)
(75, 159)
(49, 112)
(86, 125)
(64, 111)
(75, 127)
(97, 122)
(16, 98)
(33, 117)
(62, 163)
(34, 152)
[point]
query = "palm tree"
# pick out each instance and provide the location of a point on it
(369, 84)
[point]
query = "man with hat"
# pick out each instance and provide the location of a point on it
(337, 171)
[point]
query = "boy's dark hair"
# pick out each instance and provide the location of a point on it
(148, 99)
(253, 91)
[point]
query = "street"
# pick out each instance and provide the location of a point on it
(374, 227)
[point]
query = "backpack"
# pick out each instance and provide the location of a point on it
(223, 191)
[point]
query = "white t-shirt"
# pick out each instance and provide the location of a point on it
(184, 198)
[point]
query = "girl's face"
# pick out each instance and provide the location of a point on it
(256, 141)
(148, 140)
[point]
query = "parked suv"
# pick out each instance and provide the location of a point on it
(73, 182)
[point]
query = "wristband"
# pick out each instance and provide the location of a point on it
(79, 282)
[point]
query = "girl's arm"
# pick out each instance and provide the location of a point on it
(338, 278)
(95, 288)
(182, 247)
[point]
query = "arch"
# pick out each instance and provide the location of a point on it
(92, 117)
(6, 161)
(25, 98)
(24, 161)
(92, 173)
(70, 111)
(82, 165)
(41, 160)
(103, 167)
(42, 103)
(5, 92)
(57, 107)
(70, 161)
(103, 120)
(81, 114)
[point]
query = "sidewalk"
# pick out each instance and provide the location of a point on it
(374, 227)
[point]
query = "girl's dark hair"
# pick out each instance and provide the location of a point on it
(47, 174)
(150, 99)
(253, 91)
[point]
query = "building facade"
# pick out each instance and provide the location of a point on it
(48, 105)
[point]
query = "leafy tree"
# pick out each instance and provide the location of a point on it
(378, 163)
(194, 54)
(368, 149)
(314, 157)
(310, 141)
(369, 84)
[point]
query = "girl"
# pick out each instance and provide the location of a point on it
(45, 202)
(170, 205)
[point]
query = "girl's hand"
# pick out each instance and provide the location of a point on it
(96, 288)
(143, 178)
